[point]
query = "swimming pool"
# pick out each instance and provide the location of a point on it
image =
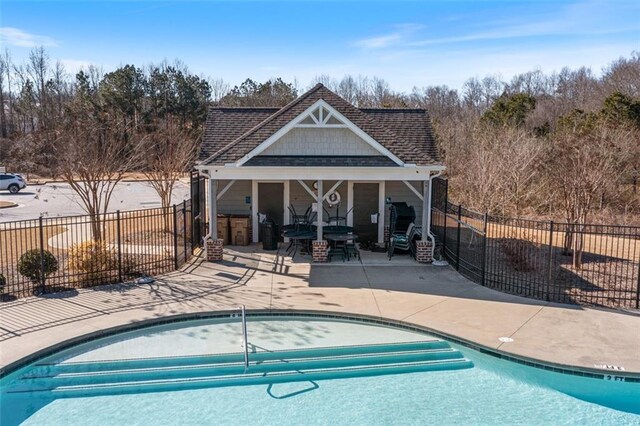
(303, 369)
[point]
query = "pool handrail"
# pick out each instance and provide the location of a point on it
(245, 341)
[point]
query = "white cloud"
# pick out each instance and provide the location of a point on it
(402, 31)
(16, 37)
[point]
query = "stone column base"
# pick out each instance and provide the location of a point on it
(424, 251)
(214, 249)
(321, 251)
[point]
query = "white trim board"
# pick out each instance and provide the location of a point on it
(321, 173)
(309, 112)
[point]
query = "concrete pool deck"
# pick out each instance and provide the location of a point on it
(427, 296)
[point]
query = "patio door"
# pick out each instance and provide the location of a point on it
(271, 200)
(365, 203)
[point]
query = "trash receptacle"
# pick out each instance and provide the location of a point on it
(269, 231)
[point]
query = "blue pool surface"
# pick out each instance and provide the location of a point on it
(484, 391)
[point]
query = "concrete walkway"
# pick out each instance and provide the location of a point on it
(434, 297)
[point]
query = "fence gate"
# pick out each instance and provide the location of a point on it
(198, 209)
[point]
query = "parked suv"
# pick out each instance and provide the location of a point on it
(13, 183)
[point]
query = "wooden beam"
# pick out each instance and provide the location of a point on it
(413, 189)
(225, 189)
(304, 185)
(333, 188)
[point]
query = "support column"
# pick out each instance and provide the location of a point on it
(254, 212)
(424, 247)
(320, 246)
(214, 245)
(320, 215)
(213, 209)
(382, 196)
(350, 203)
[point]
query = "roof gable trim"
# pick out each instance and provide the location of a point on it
(297, 122)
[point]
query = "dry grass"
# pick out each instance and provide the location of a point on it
(7, 204)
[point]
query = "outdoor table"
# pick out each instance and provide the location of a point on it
(341, 238)
(300, 239)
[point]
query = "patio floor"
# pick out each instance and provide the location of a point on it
(434, 297)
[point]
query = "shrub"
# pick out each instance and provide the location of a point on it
(93, 258)
(30, 264)
(3, 282)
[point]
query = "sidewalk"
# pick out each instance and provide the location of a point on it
(434, 297)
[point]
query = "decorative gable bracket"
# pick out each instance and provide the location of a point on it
(319, 115)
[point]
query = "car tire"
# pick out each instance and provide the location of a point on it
(14, 188)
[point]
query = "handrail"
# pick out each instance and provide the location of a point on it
(245, 341)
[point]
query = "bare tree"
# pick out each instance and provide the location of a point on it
(585, 158)
(169, 153)
(94, 155)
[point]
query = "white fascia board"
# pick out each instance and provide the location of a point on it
(322, 173)
(277, 135)
(296, 121)
(363, 135)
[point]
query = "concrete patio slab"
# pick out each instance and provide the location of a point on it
(437, 298)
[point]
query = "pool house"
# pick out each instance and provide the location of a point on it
(325, 164)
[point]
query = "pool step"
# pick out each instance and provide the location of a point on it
(223, 369)
(177, 361)
(264, 368)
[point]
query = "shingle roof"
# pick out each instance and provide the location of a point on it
(231, 133)
(321, 161)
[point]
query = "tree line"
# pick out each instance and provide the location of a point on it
(563, 145)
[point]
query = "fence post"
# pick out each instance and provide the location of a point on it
(638, 288)
(446, 205)
(458, 238)
(184, 228)
(484, 250)
(119, 240)
(42, 266)
(175, 237)
(550, 264)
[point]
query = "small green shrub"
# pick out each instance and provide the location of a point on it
(3, 282)
(94, 259)
(30, 264)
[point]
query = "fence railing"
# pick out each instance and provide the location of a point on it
(46, 255)
(558, 262)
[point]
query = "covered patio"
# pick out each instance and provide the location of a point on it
(331, 176)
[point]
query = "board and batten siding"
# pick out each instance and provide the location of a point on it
(322, 141)
(399, 192)
(301, 199)
(234, 200)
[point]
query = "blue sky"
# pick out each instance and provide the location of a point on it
(408, 43)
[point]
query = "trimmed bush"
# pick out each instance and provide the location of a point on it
(93, 258)
(30, 264)
(3, 282)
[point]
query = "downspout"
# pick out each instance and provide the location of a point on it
(206, 173)
(431, 237)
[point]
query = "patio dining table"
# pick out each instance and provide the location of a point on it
(299, 239)
(339, 244)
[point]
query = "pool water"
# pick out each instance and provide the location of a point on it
(481, 390)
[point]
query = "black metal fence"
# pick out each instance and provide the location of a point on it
(558, 262)
(52, 254)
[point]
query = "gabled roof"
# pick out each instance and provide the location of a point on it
(231, 133)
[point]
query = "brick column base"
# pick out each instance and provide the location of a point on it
(424, 251)
(321, 251)
(214, 249)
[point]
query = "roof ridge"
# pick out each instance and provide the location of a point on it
(241, 108)
(399, 109)
(265, 121)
